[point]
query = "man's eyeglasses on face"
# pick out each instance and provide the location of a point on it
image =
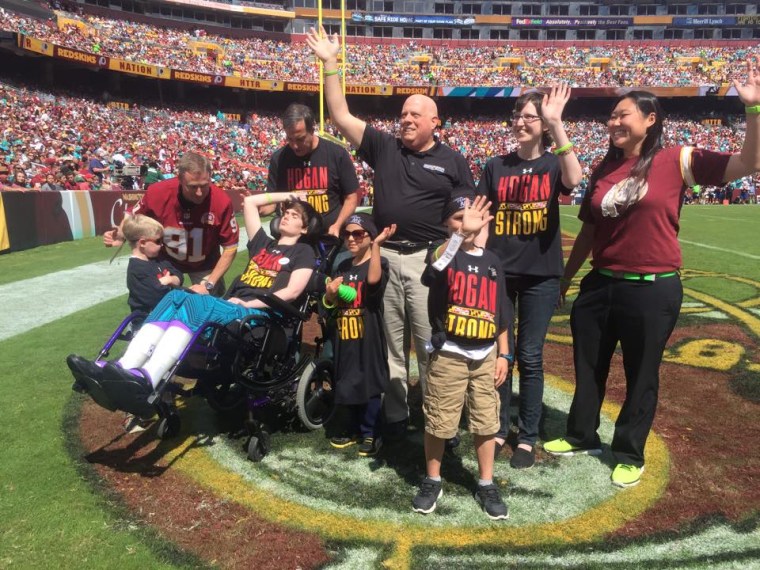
(527, 118)
(356, 234)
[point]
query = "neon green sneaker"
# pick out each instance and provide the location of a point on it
(562, 448)
(626, 475)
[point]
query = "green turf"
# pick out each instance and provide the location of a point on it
(50, 258)
(52, 517)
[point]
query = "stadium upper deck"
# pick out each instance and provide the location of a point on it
(395, 68)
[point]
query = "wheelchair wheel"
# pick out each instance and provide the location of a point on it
(315, 395)
(168, 427)
(258, 446)
(225, 396)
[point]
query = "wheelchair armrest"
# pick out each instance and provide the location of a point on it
(284, 307)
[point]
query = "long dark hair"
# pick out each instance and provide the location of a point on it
(647, 103)
(535, 97)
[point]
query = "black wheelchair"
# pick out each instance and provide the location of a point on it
(240, 366)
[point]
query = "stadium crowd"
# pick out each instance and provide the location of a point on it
(57, 141)
(408, 64)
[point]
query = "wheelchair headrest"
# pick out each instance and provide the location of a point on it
(314, 228)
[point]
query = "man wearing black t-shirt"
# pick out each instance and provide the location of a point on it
(317, 166)
(415, 178)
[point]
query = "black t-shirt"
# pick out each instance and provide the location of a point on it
(270, 266)
(328, 167)
(524, 197)
(145, 291)
(413, 188)
(467, 301)
(361, 354)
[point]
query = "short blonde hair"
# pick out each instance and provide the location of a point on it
(141, 227)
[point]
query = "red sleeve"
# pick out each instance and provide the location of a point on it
(229, 233)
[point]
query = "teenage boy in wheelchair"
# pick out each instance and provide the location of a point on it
(279, 268)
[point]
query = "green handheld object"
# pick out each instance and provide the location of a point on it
(346, 294)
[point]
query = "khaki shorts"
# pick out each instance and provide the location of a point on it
(452, 380)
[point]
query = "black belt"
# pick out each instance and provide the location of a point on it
(407, 246)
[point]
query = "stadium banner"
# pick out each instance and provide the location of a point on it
(108, 208)
(5, 242)
(197, 77)
(304, 87)
(35, 45)
(478, 92)
(596, 22)
(748, 20)
(354, 89)
(416, 90)
(411, 20)
(256, 84)
(707, 21)
(125, 66)
(71, 54)
(35, 218)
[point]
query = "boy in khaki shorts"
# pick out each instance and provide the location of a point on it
(467, 304)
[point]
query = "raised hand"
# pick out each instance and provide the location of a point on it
(324, 47)
(749, 90)
(554, 103)
(384, 235)
(476, 215)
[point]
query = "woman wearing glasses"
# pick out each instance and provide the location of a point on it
(524, 187)
(355, 297)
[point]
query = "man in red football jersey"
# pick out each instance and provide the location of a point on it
(200, 231)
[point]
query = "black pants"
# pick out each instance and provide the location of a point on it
(641, 316)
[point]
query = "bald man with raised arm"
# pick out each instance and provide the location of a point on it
(415, 178)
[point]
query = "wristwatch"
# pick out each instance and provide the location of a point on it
(508, 357)
(210, 285)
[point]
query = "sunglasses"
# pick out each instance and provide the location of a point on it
(157, 241)
(356, 234)
(526, 118)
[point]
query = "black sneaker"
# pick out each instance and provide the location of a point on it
(343, 442)
(427, 497)
(522, 458)
(489, 498)
(370, 446)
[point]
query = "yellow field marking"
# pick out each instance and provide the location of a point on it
(746, 318)
(606, 517)
(711, 353)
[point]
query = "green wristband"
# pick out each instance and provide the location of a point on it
(333, 72)
(564, 149)
(754, 110)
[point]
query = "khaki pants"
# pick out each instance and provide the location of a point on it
(406, 321)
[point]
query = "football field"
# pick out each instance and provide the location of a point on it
(76, 492)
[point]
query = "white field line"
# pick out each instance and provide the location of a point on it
(41, 300)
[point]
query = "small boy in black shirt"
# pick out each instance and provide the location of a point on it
(467, 306)
(149, 277)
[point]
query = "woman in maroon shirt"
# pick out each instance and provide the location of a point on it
(633, 295)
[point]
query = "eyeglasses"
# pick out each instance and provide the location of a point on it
(157, 241)
(526, 118)
(356, 234)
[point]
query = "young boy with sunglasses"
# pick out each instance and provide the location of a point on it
(149, 275)
(355, 295)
